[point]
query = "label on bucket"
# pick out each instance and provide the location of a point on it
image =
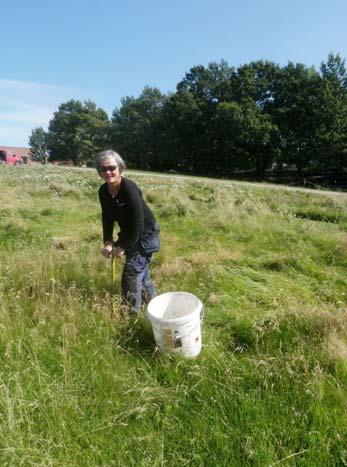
(173, 340)
(169, 340)
(177, 340)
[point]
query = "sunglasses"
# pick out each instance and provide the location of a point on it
(108, 168)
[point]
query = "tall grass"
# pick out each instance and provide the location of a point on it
(77, 388)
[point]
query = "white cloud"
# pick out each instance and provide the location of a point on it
(26, 105)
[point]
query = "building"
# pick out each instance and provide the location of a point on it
(24, 153)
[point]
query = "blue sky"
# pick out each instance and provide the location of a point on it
(104, 50)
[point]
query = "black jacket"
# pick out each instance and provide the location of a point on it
(129, 210)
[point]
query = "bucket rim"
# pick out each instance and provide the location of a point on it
(181, 319)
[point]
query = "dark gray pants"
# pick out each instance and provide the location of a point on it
(136, 281)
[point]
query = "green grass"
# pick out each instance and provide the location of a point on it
(269, 387)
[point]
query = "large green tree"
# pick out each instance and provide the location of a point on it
(135, 128)
(208, 83)
(180, 147)
(189, 118)
(294, 110)
(216, 121)
(77, 132)
(245, 138)
(332, 129)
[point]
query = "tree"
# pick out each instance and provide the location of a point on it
(135, 128)
(331, 133)
(188, 118)
(334, 69)
(294, 109)
(38, 143)
(219, 118)
(245, 139)
(180, 148)
(77, 132)
(208, 84)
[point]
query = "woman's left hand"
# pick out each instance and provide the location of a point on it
(118, 252)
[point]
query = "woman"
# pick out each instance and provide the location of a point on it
(121, 201)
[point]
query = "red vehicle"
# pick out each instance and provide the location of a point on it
(10, 159)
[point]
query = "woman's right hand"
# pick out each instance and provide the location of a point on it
(106, 251)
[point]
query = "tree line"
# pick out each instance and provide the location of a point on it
(220, 121)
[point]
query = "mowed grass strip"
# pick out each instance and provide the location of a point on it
(77, 388)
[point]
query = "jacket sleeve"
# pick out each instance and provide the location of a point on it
(107, 221)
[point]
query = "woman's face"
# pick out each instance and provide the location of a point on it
(110, 172)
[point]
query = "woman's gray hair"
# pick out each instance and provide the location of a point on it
(109, 155)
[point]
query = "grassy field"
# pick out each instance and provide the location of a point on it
(79, 389)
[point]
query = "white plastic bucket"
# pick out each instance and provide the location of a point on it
(175, 319)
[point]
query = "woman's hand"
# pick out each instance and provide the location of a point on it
(107, 250)
(118, 252)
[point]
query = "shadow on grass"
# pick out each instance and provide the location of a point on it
(135, 336)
